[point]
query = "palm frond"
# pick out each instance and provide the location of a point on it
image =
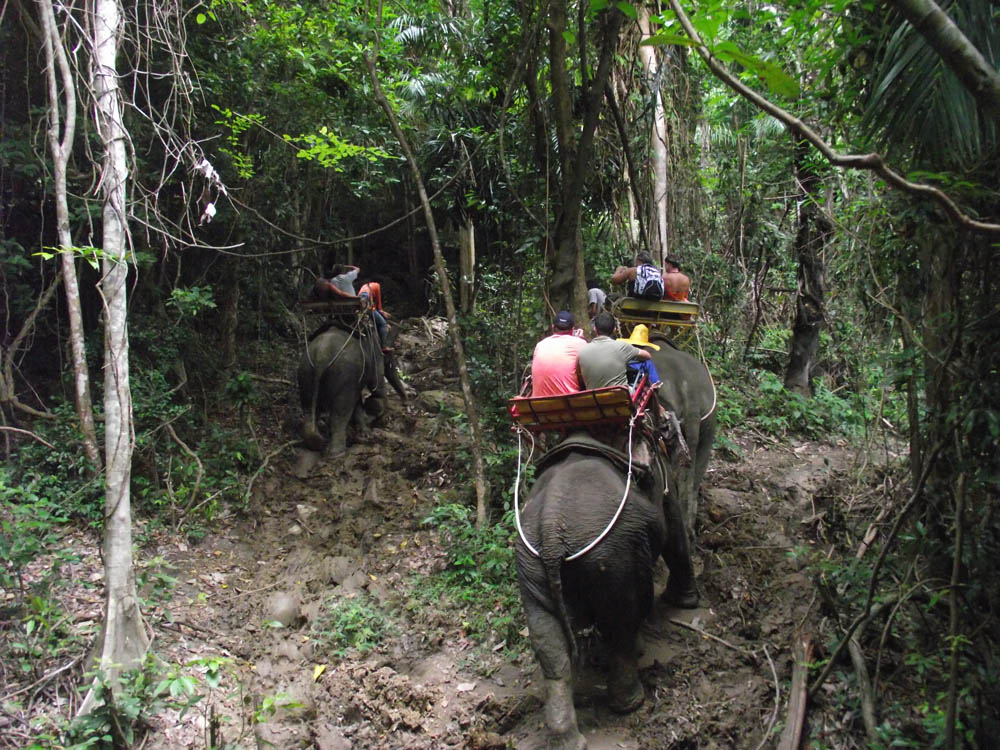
(918, 109)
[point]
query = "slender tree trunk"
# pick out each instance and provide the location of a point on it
(58, 72)
(467, 264)
(636, 225)
(123, 640)
(814, 232)
(567, 284)
(659, 236)
(478, 465)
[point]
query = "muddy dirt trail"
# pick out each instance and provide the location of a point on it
(260, 590)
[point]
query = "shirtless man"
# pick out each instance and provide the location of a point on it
(676, 285)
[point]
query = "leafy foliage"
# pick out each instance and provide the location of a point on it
(350, 622)
(479, 577)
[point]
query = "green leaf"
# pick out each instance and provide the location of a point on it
(628, 9)
(569, 36)
(779, 82)
(200, 18)
(598, 5)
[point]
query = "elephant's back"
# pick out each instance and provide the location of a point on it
(687, 384)
(574, 501)
(332, 345)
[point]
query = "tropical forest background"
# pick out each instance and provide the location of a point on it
(827, 173)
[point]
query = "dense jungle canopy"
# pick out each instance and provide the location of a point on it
(175, 176)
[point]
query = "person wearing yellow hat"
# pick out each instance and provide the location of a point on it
(636, 368)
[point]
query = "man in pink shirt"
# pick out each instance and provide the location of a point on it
(553, 365)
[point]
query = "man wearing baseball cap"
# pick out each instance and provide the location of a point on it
(553, 365)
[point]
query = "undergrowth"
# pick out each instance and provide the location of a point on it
(480, 579)
(354, 622)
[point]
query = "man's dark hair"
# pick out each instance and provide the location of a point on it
(604, 323)
(643, 257)
(591, 283)
(670, 260)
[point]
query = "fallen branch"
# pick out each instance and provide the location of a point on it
(708, 635)
(43, 679)
(265, 379)
(792, 736)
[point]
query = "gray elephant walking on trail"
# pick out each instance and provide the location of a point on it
(579, 488)
(333, 374)
(687, 390)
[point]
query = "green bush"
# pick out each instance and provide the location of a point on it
(350, 622)
(480, 577)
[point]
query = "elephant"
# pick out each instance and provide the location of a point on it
(687, 390)
(333, 373)
(579, 486)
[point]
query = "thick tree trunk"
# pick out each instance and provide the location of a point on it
(123, 640)
(567, 284)
(58, 72)
(478, 465)
(659, 234)
(814, 232)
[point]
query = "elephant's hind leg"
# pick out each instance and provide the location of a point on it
(619, 625)
(625, 691)
(560, 715)
(552, 650)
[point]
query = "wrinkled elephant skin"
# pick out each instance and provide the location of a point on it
(687, 390)
(333, 374)
(611, 586)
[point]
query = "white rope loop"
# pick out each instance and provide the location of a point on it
(611, 523)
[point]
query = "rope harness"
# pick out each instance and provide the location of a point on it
(355, 329)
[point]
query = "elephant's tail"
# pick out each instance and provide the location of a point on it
(553, 576)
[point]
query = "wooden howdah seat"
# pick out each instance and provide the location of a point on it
(676, 320)
(615, 405)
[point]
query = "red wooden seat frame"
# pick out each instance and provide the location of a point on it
(598, 406)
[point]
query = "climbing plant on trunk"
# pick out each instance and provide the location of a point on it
(58, 73)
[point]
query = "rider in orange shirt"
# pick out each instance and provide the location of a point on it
(676, 285)
(371, 293)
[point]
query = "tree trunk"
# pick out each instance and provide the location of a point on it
(123, 640)
(659, 235)
(55, 57)
(567, 285)
(814, 232)
(467, 264)
(478, 465)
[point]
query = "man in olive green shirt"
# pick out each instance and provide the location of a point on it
(604, 361)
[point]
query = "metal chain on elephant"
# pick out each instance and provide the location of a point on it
(611, 523)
